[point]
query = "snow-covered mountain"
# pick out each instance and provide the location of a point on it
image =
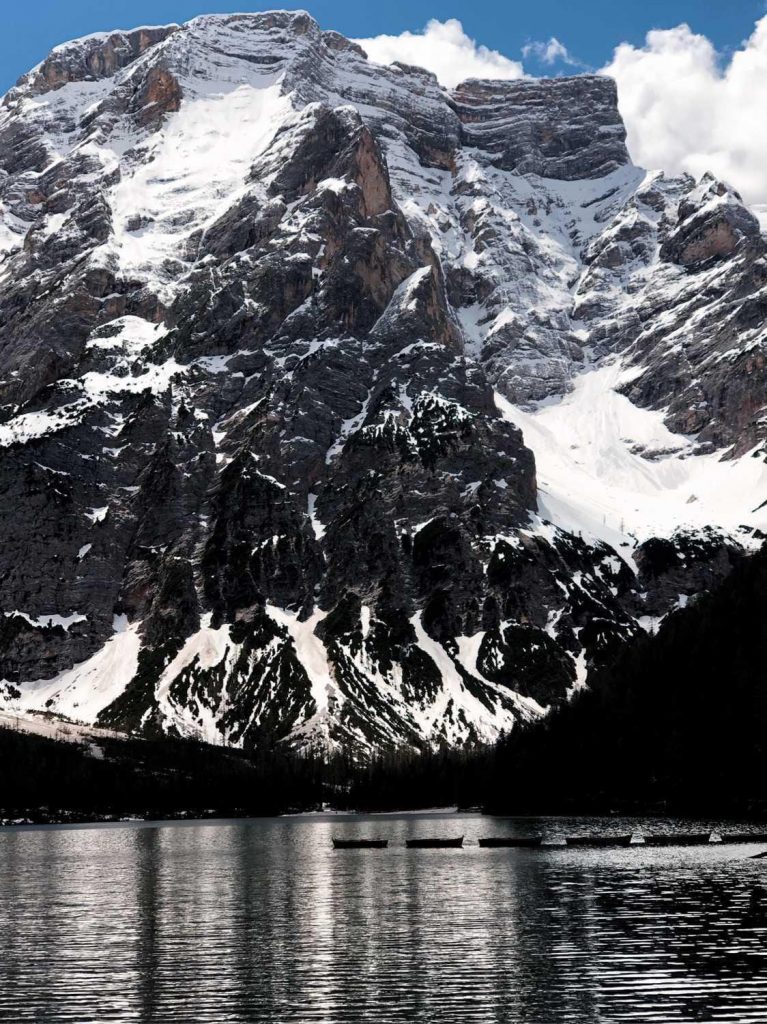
(338, 407)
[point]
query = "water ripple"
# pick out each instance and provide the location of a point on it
(263, 922)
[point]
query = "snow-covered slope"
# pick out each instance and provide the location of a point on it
(610, 470)
(338, 408)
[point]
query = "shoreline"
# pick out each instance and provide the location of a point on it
(76, 820)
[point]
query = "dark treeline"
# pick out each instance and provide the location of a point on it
(677, 723)
(44, 779)
(407, 780)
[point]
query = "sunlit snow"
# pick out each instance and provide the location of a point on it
(610, 470)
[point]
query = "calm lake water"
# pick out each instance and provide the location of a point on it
(262, 921)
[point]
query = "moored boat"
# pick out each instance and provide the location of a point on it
(598, 841)
(682, 839)
(744, 837)
(423, 844)
(360, 844)
(494, 841)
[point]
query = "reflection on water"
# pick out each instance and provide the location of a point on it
(264, 922)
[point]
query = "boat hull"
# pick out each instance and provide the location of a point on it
(360, 844)
(695, 839)
(434, 844)
(598, 842)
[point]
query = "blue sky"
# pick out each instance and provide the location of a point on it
(590, 29)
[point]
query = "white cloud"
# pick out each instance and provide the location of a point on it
(444, 48)
(686, 111)
(550, 52)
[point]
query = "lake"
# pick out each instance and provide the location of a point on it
(262, 921)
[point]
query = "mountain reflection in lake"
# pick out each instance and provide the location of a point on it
(264, 922)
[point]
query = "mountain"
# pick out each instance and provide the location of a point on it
(342, 409)
(676, 724)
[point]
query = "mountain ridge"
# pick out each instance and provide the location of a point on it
(277, 327)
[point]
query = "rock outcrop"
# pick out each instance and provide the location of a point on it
(565, 128)
(89, 59)
(712, 224)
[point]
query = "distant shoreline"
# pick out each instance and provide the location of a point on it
(64, 820)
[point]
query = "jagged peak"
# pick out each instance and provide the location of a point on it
(100, 55)
(95, 39)
(103, 54)
(557, 127)
(712, 223)
(299, 19)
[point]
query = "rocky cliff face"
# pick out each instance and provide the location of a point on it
(335, 407)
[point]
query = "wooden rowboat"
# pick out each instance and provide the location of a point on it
(683, 839)
(598, 841)
(360, 844)
(744, 837)
(428, 844)
(494, 841)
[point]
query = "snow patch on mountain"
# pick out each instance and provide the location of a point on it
(83, 691)
(313, 656)
(610, 471)
(191, 171)
(205, 649)
(48, 621)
